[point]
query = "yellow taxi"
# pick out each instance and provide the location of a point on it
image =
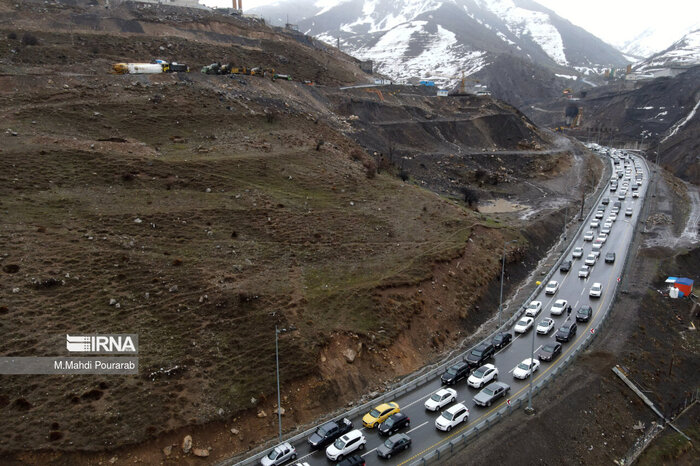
(379, 414)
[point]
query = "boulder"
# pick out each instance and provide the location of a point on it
(187, 444)
(168, 450)
(201, 452)
(350, 355)
(262, 413)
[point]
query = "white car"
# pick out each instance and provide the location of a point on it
(353, 440)
(588, 236)
(599, 214)
(590, 259)
(452, 417)
(628, 212)
(441, 398)
(526, 368)
(596, 290)
(523, 325)
(584, 272)
(597, 244)
(551, 287)
(577, 253)
(603, 237)
(533, 309)
(558, 307)
(545, 326)
(595, 224)
(482, 376)
(278, 455)
(635, 194)
(605, 231)
(607, 225)
(612, 216)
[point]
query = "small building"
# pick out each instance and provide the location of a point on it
(442, 93)
(683, 285)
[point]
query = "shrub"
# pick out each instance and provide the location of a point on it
(12, 36)
(29, 39)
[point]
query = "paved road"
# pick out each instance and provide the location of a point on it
(575, 290)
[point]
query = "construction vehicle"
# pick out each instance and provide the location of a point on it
(260, 71)
(285, 77)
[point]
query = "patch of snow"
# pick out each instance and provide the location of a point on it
(645, 108)
(504, 38)
(441, 58)
(566, 76)
(327, 5)
(536, 24)
(682, 123)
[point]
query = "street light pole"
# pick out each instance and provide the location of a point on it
(503, 268)
(279, 404)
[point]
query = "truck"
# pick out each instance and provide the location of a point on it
(158, 67)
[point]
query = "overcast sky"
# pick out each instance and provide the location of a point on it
(614, 21)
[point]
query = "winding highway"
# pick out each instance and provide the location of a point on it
(425, 437)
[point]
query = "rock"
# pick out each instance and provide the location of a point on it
(187, 444)
(208, 190)
(201, 452)
(350, 355)
(113, 460)
(262, 414)
(173, 289)
(138, 220)
(281, 410)
(112, 301)
(168, 450)
(221, 411)
(235, 431)
(253, 401)
(15, 290)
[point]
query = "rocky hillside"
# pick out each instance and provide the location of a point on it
(659, 113)
(202, 211)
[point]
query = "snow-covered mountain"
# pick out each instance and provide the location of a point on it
(654, 40)
(683, 54)
(442, 39)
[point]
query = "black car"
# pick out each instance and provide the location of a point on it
(393, 424)
(501, 339)
(328, 432)
(566, 332)
(479, 355)
(393, 445)
(565, 266)
(605, 201)
(610, 258)
(584, 314)
(355, 460)
(455, 373)
(549, 351)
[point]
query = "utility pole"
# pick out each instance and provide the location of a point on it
(279, 404)
(503, 268)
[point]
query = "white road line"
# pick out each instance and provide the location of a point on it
(418, 427)
(538, 348)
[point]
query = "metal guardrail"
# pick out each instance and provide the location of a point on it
(412, 384)
(463, 440)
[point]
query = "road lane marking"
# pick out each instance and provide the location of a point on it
(418, 427)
